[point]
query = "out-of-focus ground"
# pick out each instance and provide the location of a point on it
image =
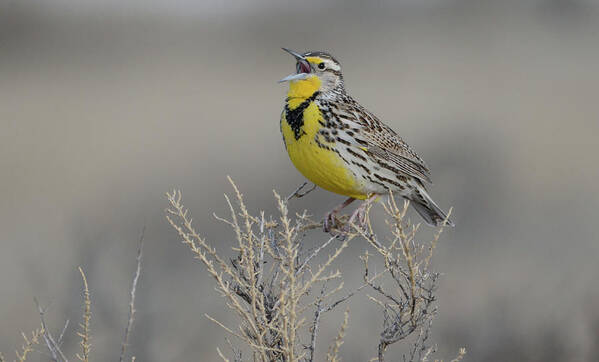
(104, 108)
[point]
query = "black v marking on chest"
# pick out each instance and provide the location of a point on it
(295, 117)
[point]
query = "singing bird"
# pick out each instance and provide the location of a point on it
(342, 147)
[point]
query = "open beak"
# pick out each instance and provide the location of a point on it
(302, 67)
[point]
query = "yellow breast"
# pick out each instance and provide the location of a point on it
(320, 165)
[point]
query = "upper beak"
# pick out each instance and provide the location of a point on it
(297, 55)
(302, 66)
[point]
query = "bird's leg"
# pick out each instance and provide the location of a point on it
(298, 192)
(329, 217)
(360, 212)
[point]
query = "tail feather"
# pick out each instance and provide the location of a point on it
(430, 212)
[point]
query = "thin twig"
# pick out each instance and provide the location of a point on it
(225, 359)
(316, 251)
(315, 324)
(85, 326)
(66, 325)
(333, 354)
(132, 296)
(53, 347)
(27, 347)
(236, 352)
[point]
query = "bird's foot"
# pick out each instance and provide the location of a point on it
(330, 221)
(358, 217)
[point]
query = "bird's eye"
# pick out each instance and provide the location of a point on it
(321, 66)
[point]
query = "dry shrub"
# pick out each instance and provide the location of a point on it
(279, 292)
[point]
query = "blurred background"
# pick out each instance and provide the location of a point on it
(106, 105)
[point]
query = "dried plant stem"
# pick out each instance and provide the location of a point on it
(85, 325)
(460, 356)
(132, 297)
(221, 355)
(51, 343)
(27, 346)
(333, 354)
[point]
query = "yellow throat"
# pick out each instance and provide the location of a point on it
(300, 90)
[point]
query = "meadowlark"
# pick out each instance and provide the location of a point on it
(342, 147)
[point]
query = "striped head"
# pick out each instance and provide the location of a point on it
(315, 72)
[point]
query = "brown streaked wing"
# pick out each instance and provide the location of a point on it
(383, 143)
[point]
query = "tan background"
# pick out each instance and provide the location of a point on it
(104, 106)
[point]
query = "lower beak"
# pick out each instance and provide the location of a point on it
(295, 76)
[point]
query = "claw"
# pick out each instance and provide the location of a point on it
(360, 214)
(329, 218)
(329, 221)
